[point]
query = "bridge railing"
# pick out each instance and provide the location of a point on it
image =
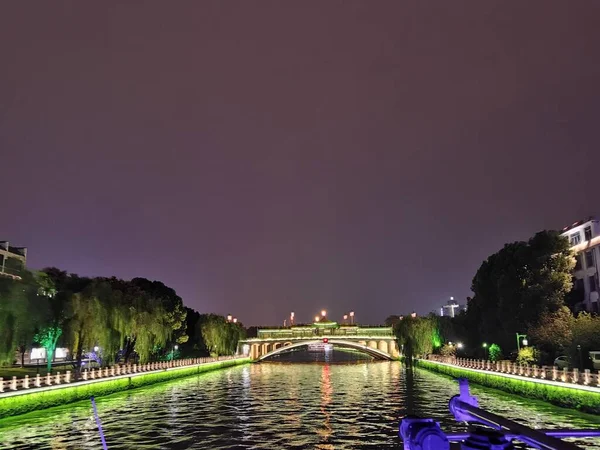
(586, 377)
(320, 332)
(27, 382)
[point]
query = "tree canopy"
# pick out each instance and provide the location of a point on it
(139, 317)
(516, 285)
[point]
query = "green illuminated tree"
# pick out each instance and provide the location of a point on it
(495, 352)
(48, 338)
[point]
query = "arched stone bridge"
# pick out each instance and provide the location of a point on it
(378, 342)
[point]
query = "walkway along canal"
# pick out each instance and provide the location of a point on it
(19, 396)
(563, 388)
(274, 405)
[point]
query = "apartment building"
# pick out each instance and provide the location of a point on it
(584, 237)
(12, 260)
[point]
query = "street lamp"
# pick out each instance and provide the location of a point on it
(235, 320)
(229, 317)
(485, 350)
(345, 318)
(323, 313)
(96, 348)
(459, 345)
(316, 318)
(524, 341)
(351, 314)
(292, 315)
(413, 314)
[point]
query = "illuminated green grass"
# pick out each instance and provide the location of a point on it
(558, 395)
(21, 404)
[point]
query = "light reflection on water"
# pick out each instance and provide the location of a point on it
(271, 405)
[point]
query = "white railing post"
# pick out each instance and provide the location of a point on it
(26, 382)
(586, 376)
(112, 371)
(93, 374)
(57, 378)
(565, 375)
(13, 383)
(38, 381)
(68, 377)
(554, 373)
(543, 374)
(575, 377)
(48, 380)
(85, 374)
(1, 384)
(135, 368)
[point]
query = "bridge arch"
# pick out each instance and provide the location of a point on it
(373, 351)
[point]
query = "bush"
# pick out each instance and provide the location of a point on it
(448, 350)
(526, 356)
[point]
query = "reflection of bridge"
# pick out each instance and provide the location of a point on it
(378, 342)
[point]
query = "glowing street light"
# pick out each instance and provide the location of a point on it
(323, 313)
(316, 318)
(229, 317)
(413, 314)
(459, 345)
(351, 314)
(96, 348)
(345, 318)
(235, 320)
(176, 347)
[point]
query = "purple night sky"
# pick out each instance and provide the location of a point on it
(265, 156)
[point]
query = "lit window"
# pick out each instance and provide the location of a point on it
(588, 233)
(575, 238)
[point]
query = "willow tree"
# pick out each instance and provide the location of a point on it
(21, 311)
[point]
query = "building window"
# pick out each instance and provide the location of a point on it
(589, 259)
(575, 238)
(592, 283)
(578, 284)
(588, 233)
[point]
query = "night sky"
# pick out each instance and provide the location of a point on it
(267, 157)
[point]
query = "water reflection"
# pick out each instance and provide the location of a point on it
(272, 405)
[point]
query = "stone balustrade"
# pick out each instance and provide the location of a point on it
(574, 376)
(27, 382)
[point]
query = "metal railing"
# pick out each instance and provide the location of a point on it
(28, 383)
(553, 373)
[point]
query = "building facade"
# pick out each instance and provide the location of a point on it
(12, 260)
(584, 237)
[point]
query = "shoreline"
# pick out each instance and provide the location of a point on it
(22, 402)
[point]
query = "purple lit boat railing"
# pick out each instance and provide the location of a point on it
(490, 432)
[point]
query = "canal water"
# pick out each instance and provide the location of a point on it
(273, 405)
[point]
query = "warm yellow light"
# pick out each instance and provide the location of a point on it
(316, 318)
(323, 313)
(345, 316)
(292, 314)
(351, 313)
